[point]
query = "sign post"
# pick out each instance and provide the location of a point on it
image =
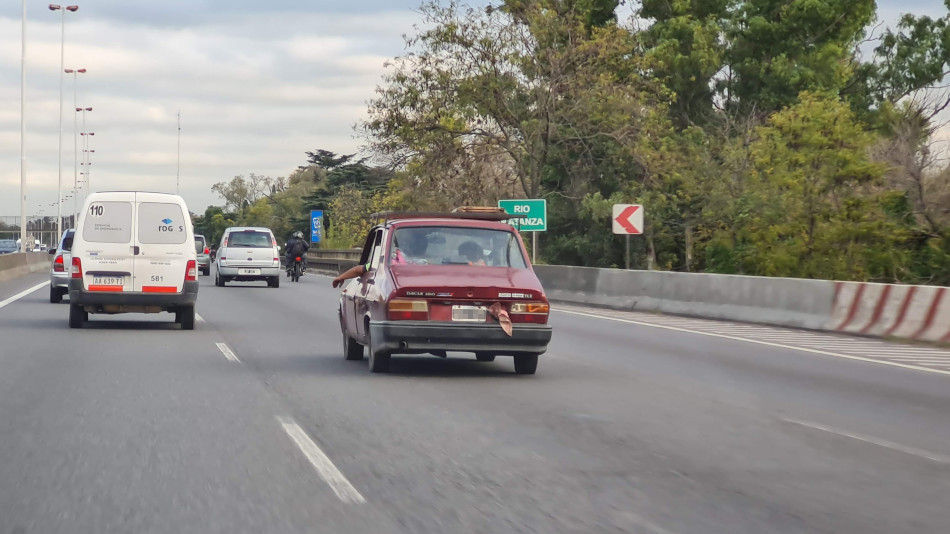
(316, 226)
(627, 220)
(535, 211)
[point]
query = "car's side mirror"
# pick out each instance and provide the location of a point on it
(52, 251)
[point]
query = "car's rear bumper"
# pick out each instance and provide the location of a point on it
(204, 261)
(110, 302)
(411, 336)
(59, 279)
(231, 272)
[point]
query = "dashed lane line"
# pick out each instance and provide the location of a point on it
(228, 353)
(22, 294)
(874, 441)
(757, 342)
(322, 463)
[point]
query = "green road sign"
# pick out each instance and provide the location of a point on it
(535, 211)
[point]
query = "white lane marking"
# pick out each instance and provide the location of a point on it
(22, 294)
(321, 462)
(874, 441)
(199, 318)
(766, 343)
(227, 353)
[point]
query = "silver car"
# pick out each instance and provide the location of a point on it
(246, 254)
(59, 269)
(204, 254)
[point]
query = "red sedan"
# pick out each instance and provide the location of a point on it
(432, 283)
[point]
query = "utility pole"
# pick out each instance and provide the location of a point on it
(23, 135)
(178, 159)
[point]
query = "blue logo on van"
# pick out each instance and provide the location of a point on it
(167, 221)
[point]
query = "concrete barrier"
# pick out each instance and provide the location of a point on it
(18, 264)
(782, 301)
(879, 310)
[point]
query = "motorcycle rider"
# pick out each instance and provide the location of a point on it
(295, 246)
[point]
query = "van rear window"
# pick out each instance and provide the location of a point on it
(162, 223)
(108, 222)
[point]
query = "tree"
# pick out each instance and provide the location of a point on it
(240, 193)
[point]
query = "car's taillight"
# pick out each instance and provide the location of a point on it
(77, 268)
(58, 266)
(191, 271)
(207, 250)
(408, 310)
(529, 312)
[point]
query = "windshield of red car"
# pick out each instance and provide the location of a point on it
(455, 245)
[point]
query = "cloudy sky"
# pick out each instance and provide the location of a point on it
(258, 83)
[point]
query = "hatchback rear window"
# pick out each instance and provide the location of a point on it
(67, 242)
(161, 223)
(250, 239)
(108, 222)
(200, 245)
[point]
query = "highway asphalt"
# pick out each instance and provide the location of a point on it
(254, 423)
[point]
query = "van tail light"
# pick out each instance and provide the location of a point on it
(529, 312)
(207, 250)
(408, 310)
(77, 268)
(191, 271)
(58, 266)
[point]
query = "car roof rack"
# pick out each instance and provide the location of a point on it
(466, 212)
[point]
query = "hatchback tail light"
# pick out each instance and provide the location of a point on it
(207, 250)
(191, 271)
(408, 310)
(529, 312)
(77, 268)
(58, 266)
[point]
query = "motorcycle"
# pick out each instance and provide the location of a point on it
(296, 270)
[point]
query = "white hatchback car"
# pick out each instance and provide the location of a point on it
(247, 254)
(133, 252)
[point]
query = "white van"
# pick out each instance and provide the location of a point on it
(133, 252)
(248, 253)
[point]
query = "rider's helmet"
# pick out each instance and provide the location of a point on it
(298, 235)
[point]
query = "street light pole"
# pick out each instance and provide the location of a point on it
(75, 72)
(62, 56)
(85, 147)
(178, 159)
(23, 133)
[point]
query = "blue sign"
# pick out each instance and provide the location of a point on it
(316, 225)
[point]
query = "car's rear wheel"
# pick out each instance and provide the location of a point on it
(218, 281)
(55, 294)
(378, 359)
(484, 356)
(273, 281)
(206, 271)
(186, 316)
(351, 349)
(77, 316)
(526, 364)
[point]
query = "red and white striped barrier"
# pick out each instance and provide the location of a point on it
(884, 310)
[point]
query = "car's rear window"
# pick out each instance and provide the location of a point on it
(67, 242)
(450, 245)
(200, 245)
(250, 239)
(108, 222)
(162, 223)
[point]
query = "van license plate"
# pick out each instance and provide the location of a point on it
(108, 280)
(249, 271)
(471, 314)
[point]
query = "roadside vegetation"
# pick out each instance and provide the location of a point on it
(764, 137)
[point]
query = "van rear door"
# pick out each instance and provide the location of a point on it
(107, 230)
(164, 242)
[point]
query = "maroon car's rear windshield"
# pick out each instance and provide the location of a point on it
(454, 245)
